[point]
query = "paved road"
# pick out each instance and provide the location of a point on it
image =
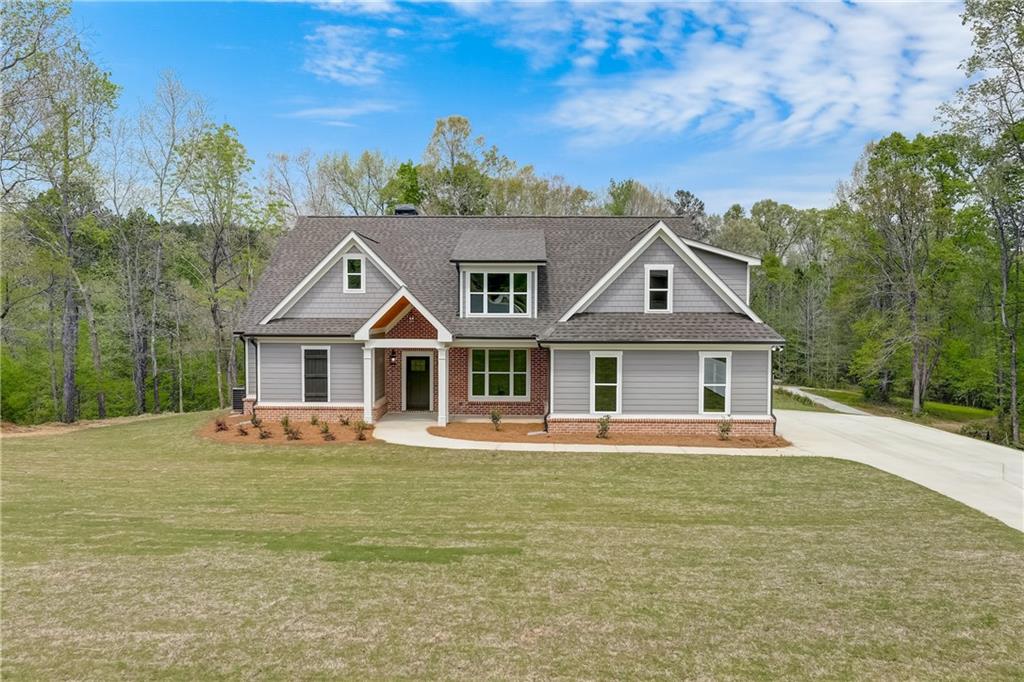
(827, 402)
(984, 476)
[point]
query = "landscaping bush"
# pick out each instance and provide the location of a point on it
(293, 433)
(313, 420)
(343, 420)
(327, 435)
(724, 429)
(360, 428)
(603, 425)
(265, 434)
(256, 421)
(285, 422)
(496, 419)
(221, 425)
(242, 431)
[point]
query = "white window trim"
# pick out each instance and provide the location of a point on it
(362, 273)
(487, 382)
(648, 268)
(429, 355)
(531, 284)
(302, 372)
(727, 356)
(594, 354)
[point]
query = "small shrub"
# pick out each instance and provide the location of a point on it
(285, 422)
(724, 429)
(293, 433)
(265, 434)
(221, 425)
(256, 421)
(325, 427)
(496, 419)
(343, 420)
(242, 431)
(603, 425)
(360, 428)
(313, 420)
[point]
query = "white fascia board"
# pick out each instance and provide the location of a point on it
(701, 246)
(350, 240)
(685, 253)
(363, 334)
(570, 345)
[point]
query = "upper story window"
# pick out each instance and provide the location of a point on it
(657, 288)
(499, 293)
(355, 275)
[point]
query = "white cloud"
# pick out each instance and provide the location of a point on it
(341, 115)
(348, 55)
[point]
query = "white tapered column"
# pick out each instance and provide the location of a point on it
(368, 385)
(442, 387)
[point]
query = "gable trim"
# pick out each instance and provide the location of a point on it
(329, 261)
(363, 333)
(685, 253)
(701, 246)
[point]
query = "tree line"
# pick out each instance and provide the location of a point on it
(131, 240)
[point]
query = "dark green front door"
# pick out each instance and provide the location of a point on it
(417, 383)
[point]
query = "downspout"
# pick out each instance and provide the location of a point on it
(551, 387)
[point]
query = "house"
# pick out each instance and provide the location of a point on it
(561, 318)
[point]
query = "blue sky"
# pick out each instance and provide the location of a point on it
(735, 102)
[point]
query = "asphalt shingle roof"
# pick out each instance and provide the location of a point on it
(500, 246)
(674, 328)
(578, 250)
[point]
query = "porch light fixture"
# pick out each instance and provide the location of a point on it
(393, 358)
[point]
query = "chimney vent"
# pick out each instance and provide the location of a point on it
(406, 209)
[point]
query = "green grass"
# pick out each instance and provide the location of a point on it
(902, 406)
(784, 400)
(140, 551)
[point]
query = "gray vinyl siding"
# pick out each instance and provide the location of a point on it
(731, 271)
(327, 298)
(689, 292)
(281, 371)
(571, 380)
(660, 381)
(750, 382)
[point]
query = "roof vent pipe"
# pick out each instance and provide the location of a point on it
(406, 209)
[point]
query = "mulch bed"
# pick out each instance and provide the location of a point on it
(310, 433)
(518, 433)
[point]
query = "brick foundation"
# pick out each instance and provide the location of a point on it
(458, 388)
(759, 428)
(303, 414)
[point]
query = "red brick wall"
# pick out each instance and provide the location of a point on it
(458, 387)
(687, 427)
(412, 326)
(328, 414)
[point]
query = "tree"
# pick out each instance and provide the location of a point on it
(456, 168)
(631, 197)
(686, 204)
(404, 187)
(360, 185)
(988, 117)
(903, 192)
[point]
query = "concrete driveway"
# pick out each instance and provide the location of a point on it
(989, 478)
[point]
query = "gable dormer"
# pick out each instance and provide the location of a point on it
(662, 274)
(499, 272)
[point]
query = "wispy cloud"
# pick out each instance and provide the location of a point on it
(341, 115)
(348, 55)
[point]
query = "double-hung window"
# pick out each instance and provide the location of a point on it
(606, 382)
(657, 288)
(498, 374)
(715, 383)
(499, 293)
(354, 275)
(316, 374)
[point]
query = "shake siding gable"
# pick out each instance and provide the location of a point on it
(327, 298)
(689, 292)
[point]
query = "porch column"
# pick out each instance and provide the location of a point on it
(368, 385)
(442, 386)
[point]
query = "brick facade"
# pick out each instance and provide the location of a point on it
(303, 414)
(412, 326)
(746, 428)
(393, 376)
(458, 388)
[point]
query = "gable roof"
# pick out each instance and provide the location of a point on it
(661, 231)
(579, 250)
(500, 246)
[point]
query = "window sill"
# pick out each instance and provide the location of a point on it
(499, 399)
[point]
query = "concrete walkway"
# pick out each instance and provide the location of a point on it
(410, 428)
(987, 477)
(827, 402)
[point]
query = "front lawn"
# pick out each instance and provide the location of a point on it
(143, 551)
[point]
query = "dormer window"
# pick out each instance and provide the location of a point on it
(354, 275)
(507, 292)
(657, 288)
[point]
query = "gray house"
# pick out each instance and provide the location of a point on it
(562, 318)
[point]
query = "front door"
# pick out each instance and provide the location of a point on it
(417, 382)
